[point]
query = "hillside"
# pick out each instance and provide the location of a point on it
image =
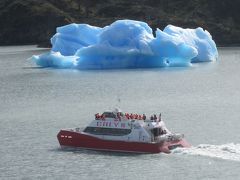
(34, 22)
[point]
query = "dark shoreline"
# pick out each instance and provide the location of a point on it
(49, 47)
(35, 22)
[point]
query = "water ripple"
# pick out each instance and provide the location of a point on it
(230, 151)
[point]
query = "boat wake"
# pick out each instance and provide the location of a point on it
(229, 151)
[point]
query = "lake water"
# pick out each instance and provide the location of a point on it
(202, 101)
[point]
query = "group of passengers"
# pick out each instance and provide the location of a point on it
(99, 116)
(120, 116)
(154, 117)
(135, 116)
(141, 117)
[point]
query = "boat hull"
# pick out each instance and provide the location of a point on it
(74, 139)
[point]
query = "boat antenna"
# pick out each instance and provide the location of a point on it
(118, 102)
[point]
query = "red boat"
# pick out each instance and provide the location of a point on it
(123, 132)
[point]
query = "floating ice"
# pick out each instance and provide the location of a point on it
(55, 59)
(126, 44)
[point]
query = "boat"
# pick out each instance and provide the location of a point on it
(123, 132)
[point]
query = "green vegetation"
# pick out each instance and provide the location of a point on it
(34, 22)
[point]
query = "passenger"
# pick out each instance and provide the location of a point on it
(155, 117)
(151, 117)
(144, 117)
(131, 116)
(103, 117)
(139, 117)
(119, 116)
(97, 116)
(160, 117)
(136, 116)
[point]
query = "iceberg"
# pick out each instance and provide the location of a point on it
(127, 44)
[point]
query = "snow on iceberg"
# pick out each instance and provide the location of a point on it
(126, 44)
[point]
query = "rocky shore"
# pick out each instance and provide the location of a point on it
(34, 22)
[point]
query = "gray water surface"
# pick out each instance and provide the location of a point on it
(202, 101)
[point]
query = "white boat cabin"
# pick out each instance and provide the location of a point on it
(116, 125)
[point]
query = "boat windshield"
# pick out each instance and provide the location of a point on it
(158, 131)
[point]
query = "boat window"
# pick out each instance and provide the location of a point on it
(157, 131)
(107, 131)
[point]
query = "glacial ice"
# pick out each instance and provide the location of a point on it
(126, 44)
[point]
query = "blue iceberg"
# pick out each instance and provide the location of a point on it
(127, 44)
